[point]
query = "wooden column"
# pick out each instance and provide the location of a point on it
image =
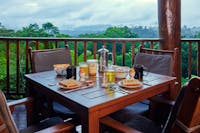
(169, 20)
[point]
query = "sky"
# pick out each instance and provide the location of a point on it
(69, 14)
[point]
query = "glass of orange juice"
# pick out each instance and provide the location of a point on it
(84, 68)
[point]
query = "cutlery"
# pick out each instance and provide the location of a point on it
(117, 88)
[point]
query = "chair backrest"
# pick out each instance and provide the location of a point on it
(158, 61)
(7, 124)
(43, 60)
(185, 115)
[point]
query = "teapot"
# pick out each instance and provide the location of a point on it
(103, 55)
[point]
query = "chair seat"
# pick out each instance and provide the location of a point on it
(129, 117)
(42, 125)
(125, 113)
(143, 124)
(62, 110)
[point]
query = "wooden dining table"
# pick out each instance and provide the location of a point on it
(95, 102)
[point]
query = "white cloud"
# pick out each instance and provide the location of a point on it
(72, 13)
(190, 12)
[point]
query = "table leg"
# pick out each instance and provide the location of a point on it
(173, 90)
(90, 123)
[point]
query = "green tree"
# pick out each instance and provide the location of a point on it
(6, 32)
(120, 32)
(32, 30)
(50, 29)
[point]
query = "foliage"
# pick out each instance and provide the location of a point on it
(184, 52)
(6, 32)
(33, 30)
(50, 29)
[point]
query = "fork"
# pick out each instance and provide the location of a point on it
(117, 88)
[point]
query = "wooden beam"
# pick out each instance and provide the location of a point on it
(169, 20)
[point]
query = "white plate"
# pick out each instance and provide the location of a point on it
(129, 87)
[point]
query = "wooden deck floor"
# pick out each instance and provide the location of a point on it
(19, 116)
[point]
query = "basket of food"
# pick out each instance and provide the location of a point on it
(121, 72)
(60, 68)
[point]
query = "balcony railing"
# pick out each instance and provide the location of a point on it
(15, 61)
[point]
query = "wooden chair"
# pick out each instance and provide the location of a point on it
(156, 62)
(160, 62)
(7, 124)
(43, 60)
(183, 118)
(172, 71)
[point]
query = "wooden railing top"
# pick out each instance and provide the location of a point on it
(80, 39)
(92, 39)
(190, 39)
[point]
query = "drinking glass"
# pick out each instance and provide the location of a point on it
(92, 66)
(110, 75)
(83, 66)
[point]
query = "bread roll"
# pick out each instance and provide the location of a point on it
(131, 82)
(69, 83)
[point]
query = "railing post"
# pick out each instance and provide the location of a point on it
(114, 52)
(133, 52)
(7, 66)
(189, 60)
(95, 49)
(198, 59)
(151, 45)
(123, 52)
(17, 65)
(37, 46)
(75, 53)
(56, 44)
(27, 55)
(85, 51)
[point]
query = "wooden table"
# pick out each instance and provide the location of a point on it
(91, 104)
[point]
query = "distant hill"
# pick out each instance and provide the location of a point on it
(189, 32)
(142, 31)
(146, 32)
(74, 32)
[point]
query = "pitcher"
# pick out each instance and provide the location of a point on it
(103, 54)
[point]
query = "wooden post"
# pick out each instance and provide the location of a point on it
(169, 19)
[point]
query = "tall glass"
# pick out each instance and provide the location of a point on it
(83, 66)
(92, 66)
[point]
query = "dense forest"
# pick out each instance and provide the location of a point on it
(50, 30)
